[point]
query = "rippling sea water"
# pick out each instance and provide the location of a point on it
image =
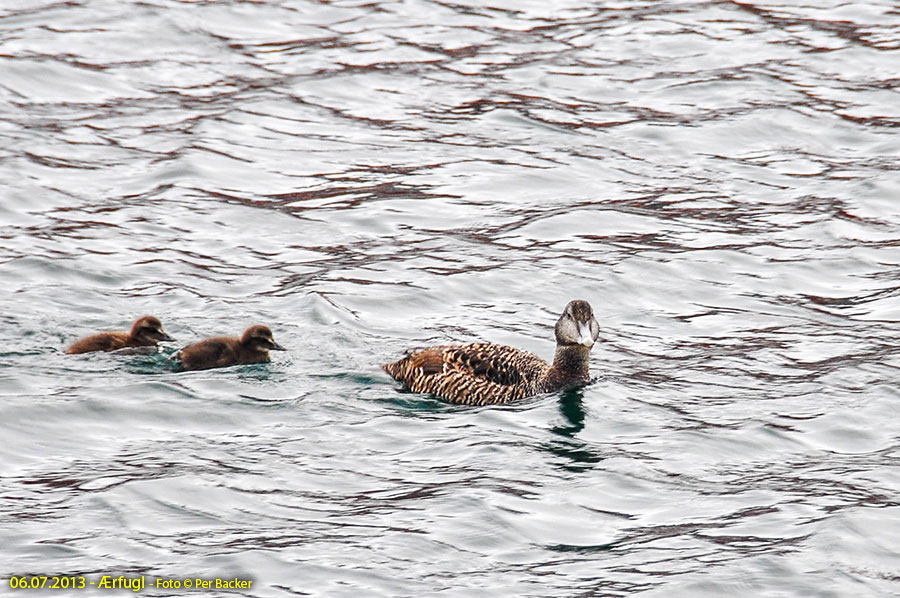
(719, 179)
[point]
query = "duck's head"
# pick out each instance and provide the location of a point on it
(577, 325)
(149, 329)
(259, 338)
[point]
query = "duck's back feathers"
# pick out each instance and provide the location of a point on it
(476, 374)
(214, 353)
(105, 341)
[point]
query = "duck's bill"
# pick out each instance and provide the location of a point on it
(584, 334)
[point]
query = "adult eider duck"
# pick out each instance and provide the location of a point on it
(489, 374)
(220, 352)
(146, 332)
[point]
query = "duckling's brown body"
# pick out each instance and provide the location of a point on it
(486, 374)
(146, 332)
(225, 351)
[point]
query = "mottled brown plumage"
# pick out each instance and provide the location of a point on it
(147, 331)
(220, 352)
(487, 374)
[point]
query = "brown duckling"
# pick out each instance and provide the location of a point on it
(224, 351)
(487, 374)
(146, 332)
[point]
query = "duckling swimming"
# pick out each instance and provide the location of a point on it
(146, 332)
(224, 351)
(489, 374)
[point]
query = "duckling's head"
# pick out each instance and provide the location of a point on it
(577, 325)
(149, 329)
(259, 338)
